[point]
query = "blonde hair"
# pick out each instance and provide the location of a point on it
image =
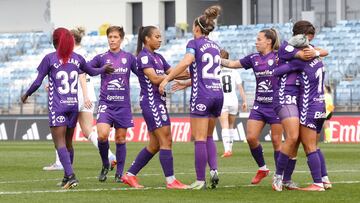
(78, 33)
(207, 21)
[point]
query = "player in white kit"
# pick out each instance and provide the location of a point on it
(230, 81)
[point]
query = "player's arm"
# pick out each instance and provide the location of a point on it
(181, 67)
(180, 85)
(87, 102)
(94, 67)
(153, 77)
(231, 63)
(243, 97)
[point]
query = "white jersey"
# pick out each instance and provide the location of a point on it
(89, 82)
(230, 79)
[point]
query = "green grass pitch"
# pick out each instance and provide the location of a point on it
(22, 178)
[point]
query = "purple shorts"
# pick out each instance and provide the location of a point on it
(264, 112)
(155, 114)
(68, 119)
(313, 117)
(206, 107)
(118, 117)
(287, 111)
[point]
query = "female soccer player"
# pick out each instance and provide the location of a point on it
(62, 68)
(86, 99)
(203, 57)
(114, 104)
(230, 80)
(152, 68)
(311, 107)
(263, 63)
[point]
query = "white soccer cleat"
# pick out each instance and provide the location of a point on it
(53, 167)
(326, 182)
(197, 185)
(277, 183)
(290, 185)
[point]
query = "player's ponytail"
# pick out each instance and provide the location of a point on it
(63, 42)
(272, 34)
(206, 22)
(142, 34)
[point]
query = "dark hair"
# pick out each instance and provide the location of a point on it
(118, 29)
(303, 27)
(143, 32)
(63, 42)
(224, 54)
(273, 36)
(206, 20)
(78, 34)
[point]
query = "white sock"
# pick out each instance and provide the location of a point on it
(57, 159)
(225, 139)
(111, 156)
(170, 179)
(325, 179)
(93, 137)
(232, 135)
(213, 172)
(263, 168)
(319, 184)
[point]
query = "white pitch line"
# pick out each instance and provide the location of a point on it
(126, 189)
(160, 174)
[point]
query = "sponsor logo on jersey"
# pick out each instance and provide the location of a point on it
(201, 107)
(264, 73)
(121, 70)
(118, 83)
(114, 98)
(159, 72)
(289, 48)
(145, 59)
(60, 119)
(265, 86)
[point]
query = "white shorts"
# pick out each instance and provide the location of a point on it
(232, 110)
(83, 109)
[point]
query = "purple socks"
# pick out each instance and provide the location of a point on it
(211, 153)
(65, 161)
(120, 158)
(200, 159)
(141, 160)
(315, 166)
(104, 150)
(322, 162)
(166, 161)
(257, 153)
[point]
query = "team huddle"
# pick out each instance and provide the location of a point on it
(289, 97)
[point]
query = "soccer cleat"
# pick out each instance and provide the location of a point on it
(260, 174)
(198, 185)
(63, 182)
(113, 164)
(226, 154)
(131, 181)
(277, 183)
(214, 179)
(102, 176)
(326, 182)
(53, 167)
(290, 185)
(118, 178)
(176, 185)
(313, 187)
(71, 183)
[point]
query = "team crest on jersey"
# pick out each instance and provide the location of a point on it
(270, 62)
(164, 117)
(123, 60)
(145, 59)
(60, 119)
(201, 107)
(289, 48)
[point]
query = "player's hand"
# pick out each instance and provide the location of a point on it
(87, 103)
(309, 53)
(47, 87)
(108, 68)
(244, 106)
(162, 86)
(24, 98)
(178, 85)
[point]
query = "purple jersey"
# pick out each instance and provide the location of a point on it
(263, 67)
(206, 68)
(115, 87)
(287, 52)
(147, 59)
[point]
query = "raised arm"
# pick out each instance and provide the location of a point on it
(286, 68)
(231, 63)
